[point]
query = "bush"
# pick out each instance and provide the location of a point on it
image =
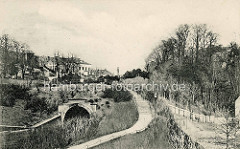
(98, 107)
(108, 93)
(36, 104)
(118, 96)
(46, 137)
(150, 96)
(57, 136)
(91, 101)
(11, 92)
(123, 96)
(73, 78)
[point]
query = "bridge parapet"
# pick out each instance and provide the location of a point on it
(62, 109)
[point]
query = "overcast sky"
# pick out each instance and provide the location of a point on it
(111, 34)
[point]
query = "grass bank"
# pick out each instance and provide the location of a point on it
(155, 137)
(119, 116)
(163, 133)
(111, 117)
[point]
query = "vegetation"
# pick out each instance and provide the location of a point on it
(111, 117)
(162, 132)
(154, 137)
(16, 115)
(18, 61)
(230, 130)
(121, 116)
(194, 57)
(107, 79)
(10, 92)
(118, 96)
(73, 78)
(76, 130)
(54, 136)
(24, 106)
(16, 57)
(134, 73)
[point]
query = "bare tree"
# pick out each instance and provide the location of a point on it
(182, 35)
(199, 38)
(230, 129)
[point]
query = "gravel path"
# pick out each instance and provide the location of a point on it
(145, 117)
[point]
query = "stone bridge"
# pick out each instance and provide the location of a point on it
(73, 108)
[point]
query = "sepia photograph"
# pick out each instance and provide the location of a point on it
(119, 74)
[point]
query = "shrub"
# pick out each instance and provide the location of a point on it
(11, 92)
(36, 104)
(52, 101)
(98, 107)
(149, 96)
(123, 96)
(91, 101)
(58, 136)
(118, 96)
(64, 95)
(46, 137)
(108, 93)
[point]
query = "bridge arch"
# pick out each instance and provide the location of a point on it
(77, 110)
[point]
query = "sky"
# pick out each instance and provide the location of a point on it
(111, 34)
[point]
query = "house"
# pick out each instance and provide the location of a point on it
(83, 68)
(57, 67)
(61, 66)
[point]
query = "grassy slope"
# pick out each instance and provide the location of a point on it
(122, 116)
(155, 137)
(118, 117)
(15, 115)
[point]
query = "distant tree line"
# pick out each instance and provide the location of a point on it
(118, 96)
(108, 79)
(134, 73)
(194, 57)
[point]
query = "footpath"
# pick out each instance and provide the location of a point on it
(144, 119)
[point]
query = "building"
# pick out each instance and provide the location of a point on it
(82, 68)
(56, 67)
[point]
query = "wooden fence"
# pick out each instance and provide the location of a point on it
(197, 117)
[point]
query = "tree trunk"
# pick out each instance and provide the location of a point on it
(23, 74)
